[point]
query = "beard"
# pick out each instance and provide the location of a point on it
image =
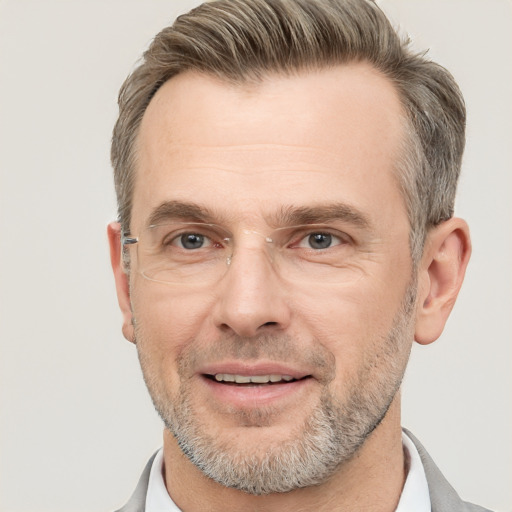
(330, 435)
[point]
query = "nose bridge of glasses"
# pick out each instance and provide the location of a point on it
(262, 236)
(250, 241)
(252, 253)
(256, 240)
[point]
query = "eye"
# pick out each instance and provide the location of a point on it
(319, 240)
(191, 241)
(185, 238)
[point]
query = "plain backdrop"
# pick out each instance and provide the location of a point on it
(76, 424)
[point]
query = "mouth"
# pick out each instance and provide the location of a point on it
(231, 385)
(253, 380)
(254, 386)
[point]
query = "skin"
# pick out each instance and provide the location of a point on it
(245, 152)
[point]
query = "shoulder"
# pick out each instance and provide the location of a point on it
(443, 496)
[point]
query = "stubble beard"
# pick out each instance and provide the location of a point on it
(329, 437)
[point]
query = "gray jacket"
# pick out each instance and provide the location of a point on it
(442, 495)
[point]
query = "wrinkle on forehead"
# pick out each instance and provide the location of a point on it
(250, 159)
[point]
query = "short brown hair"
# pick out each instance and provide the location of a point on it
(244, 41)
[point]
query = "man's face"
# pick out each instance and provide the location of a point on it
(316, 148)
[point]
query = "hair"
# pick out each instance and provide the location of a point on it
(242, 41)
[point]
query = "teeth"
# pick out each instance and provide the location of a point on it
(261, 379)
(256, 379)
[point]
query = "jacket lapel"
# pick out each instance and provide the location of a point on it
(137, 502)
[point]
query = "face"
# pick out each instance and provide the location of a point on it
(324, 354)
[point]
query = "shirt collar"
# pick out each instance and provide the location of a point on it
(415, 495)
(157, 498)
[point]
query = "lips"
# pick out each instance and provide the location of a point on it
(253, 373)
(253, 385)
(252, 379)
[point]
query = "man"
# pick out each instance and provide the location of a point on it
(285, 173)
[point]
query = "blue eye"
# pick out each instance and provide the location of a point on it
(320, 240)
(192, 241)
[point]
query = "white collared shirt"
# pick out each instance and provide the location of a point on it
(157, 498)
(415, 496)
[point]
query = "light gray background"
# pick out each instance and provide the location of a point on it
(76, 423)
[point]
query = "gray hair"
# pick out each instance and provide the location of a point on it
(241, 41)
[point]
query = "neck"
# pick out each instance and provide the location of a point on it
(372, 480)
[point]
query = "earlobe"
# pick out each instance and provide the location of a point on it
(442, 268)
(121, 279)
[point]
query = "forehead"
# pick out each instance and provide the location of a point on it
(244, 149)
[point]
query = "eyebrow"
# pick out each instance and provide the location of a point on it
(296, 215)
(286, 215)
(173, 210)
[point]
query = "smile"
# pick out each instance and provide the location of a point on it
(252, 379)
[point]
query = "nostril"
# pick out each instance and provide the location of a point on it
(270, 324)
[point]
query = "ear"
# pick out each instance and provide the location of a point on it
(442, 268)
(121, 279)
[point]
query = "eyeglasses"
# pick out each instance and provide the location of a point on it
(198, 253)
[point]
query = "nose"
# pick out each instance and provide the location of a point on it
(251, 297)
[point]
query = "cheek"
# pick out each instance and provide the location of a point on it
(168, 320)
(344, 313)
(353, 323)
